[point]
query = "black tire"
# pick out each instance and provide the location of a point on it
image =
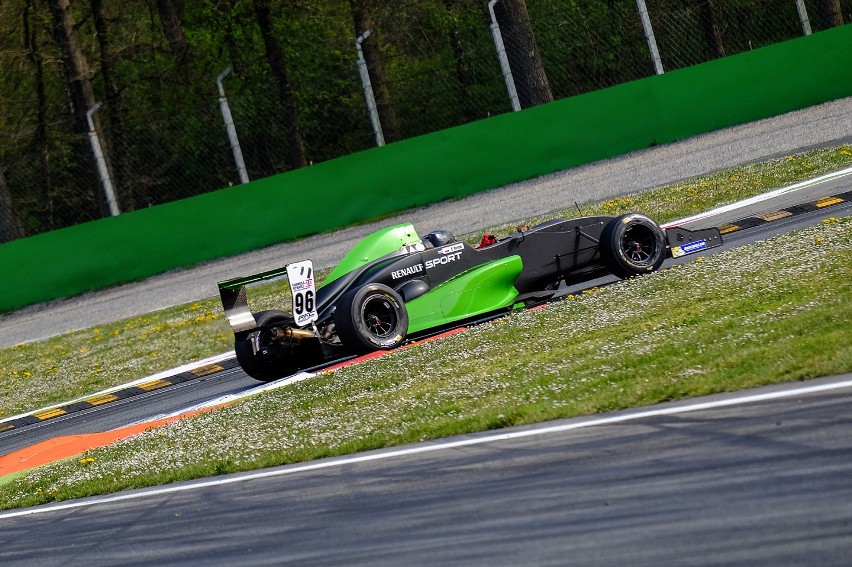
(268, 368)
(372, 317)
(632, 244)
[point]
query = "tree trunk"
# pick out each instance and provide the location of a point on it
(115, 109)
(232, 51)
(40, 140)
(363, 21)
(709, 23)
(522, 51)
(74, 62)
(10, 227)
(78, 76)
(173, 30)
(830, 13)
(275, 57)
(462, 66)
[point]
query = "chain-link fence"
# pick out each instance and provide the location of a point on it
(433, 65)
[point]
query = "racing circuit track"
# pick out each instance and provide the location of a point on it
(179, 392)
(758, 477)
(759, 483)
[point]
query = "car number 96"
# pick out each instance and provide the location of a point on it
(303, 289)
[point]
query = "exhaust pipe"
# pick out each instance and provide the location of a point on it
(291, 335)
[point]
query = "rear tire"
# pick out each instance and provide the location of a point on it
(271, 367)
(632, 244)
(370, 318)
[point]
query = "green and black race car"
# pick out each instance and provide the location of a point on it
(394, 285)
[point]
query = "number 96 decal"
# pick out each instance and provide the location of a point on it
(301, 279)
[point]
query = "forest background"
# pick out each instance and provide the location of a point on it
(295, 93)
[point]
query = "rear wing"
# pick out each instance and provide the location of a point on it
(300, 277)
(235, 301)
(683, 242)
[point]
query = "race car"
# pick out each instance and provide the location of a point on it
(394, 285)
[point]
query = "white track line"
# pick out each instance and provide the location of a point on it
(159, 375)
(761, 198)
(228, 398)
(579, 423)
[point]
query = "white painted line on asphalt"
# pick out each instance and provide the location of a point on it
(761, 198)
(228, 398)
(158, 376)
(578, 423)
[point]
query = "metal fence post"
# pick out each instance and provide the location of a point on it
(368, 90)
(100, 161)
(803, 17)
(504, 59)
(649, 36)
(229, 126)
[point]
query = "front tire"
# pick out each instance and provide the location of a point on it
(632, 244)
(372, 317)
(272, 366)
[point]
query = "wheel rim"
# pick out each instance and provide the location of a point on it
(639, 245)
(379, 316)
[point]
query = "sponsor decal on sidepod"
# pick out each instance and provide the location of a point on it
(410, 271)
(442, 260)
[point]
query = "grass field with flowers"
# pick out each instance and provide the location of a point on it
(773, 311)
(55, 370)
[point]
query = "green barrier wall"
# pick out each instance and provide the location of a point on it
(447, 164)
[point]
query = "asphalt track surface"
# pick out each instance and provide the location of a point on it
(141, 405)
(762, 483)
(758, 483)
(824, 125)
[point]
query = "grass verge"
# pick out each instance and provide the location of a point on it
(55, 370)
(777, 310)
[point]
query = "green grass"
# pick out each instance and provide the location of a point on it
(55, 370)
(774, 311)
(769, 312)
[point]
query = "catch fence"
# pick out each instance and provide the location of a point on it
(432, 65)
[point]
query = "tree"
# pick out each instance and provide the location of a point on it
(362, 18)
(830, 13)
(286, 97)
(709, 23)
(114, 106)
(77, 74)
(10, 227)
(173, 31)
(522, 51)
(40, 140)
(464, 79)
(77, 71)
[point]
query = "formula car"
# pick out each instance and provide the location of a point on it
(394, 285)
